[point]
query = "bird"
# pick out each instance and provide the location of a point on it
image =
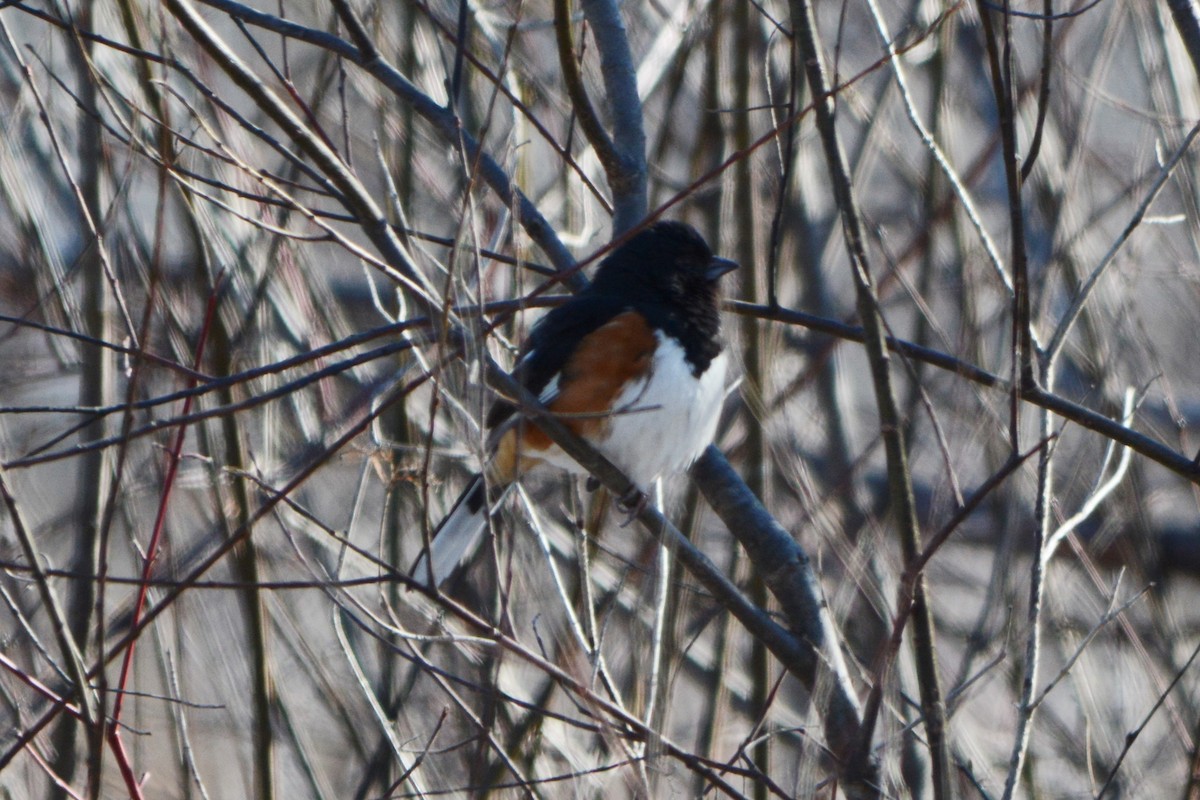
(634, 364)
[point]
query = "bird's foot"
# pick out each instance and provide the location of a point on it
(632, 503)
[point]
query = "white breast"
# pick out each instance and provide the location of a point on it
(662, 423)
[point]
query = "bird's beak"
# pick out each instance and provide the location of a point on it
(718, 267)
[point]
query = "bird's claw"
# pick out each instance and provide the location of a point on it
(632, 503)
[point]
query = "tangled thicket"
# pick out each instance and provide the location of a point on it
(261, 269)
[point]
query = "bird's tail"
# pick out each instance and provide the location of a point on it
(458, 535)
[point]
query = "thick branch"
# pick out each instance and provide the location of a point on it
(585, 112)
(795, 655)
(1188, 24)
(787, 572)
(629, 135)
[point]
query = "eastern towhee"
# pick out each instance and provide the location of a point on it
(633, 364)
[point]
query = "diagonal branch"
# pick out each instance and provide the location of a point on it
(443, 120)
(581, 104)
(629, 135)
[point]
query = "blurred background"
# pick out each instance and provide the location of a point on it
(233, 243)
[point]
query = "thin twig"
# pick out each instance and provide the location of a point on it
(903, 504)
(1085, 291)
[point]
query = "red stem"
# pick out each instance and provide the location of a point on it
(114, 733)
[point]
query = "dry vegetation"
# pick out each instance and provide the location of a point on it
(260, 263)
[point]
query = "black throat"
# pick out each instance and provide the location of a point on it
(693, 321)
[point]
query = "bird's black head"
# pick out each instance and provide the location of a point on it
(667, 262)
(669, 274)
